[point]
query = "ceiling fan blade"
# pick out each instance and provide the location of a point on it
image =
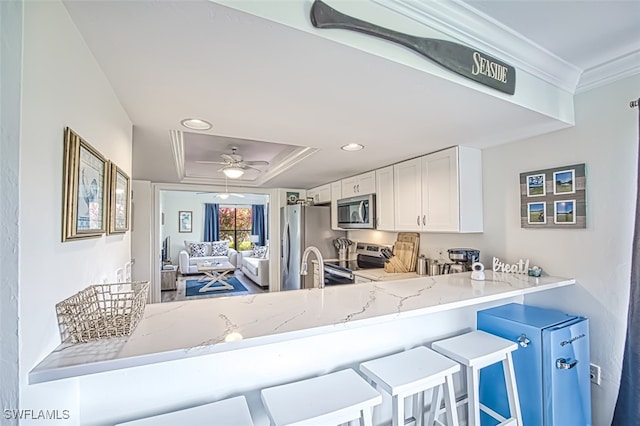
(257, 163)
(237, 195)
(252, 168)
(210, 162)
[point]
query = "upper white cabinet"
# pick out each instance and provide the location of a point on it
(336, 194)
(384, 199)
(320, 194)
(359, 185)
(407, 191)
(439, 192)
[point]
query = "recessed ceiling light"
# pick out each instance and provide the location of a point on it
(352, 147)
(195, 124)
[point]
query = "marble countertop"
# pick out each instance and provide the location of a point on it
(380, 275)
(170, 331)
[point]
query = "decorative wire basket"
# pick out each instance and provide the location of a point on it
(101, 311)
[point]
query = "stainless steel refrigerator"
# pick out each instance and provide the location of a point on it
(551, 365)
(301, 227)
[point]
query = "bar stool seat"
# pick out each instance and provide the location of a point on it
(330, 399)
(228, 412)
(410, 373)
(477, 350)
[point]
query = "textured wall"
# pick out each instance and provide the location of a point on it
(10, 83)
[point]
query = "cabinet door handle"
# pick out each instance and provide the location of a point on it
(354, 189)
(424, 219)
(358, 186)
(418, 220)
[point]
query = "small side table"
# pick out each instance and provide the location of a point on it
(168, 278)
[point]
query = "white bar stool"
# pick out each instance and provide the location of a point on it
(228, 412)
(331, 399)
(477, 350)
(410, 373)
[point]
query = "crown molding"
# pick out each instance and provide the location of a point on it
(610, 71)
(462, 22)
(177, 148)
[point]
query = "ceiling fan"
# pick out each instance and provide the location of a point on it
(234, 165)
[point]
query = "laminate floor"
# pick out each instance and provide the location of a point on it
(179, 293)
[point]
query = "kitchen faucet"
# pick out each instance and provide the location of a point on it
(303, 266)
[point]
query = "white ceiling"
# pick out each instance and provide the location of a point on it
(257, 80)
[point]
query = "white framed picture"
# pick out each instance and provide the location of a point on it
(564, 182)
(537, 213)
(564, 212)
(536, 185)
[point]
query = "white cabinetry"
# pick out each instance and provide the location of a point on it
(359, 185)
(440, 192)
(336, 194)
(384, 199)
(320, 194)
(407, 190)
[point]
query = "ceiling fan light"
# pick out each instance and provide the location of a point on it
(233, 172)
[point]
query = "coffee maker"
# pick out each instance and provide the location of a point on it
(462, 260)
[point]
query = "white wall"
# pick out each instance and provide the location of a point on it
(141, 235)
(62, 86)
(11, 14)
(599, 257)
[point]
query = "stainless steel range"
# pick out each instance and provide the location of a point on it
(369, 256)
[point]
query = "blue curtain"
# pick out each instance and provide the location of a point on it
(257, 223)
(211, 223)
(627, 410)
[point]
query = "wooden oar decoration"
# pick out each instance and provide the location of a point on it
(468, 62)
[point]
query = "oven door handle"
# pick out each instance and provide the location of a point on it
(337, 273)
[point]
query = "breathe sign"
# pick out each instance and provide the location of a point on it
(521, 267)
(463, 60)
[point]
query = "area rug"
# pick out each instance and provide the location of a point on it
(193, 287)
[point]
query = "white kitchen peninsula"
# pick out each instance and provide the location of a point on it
(192, 352)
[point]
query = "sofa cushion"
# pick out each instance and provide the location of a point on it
(199, 249)
(219, 248)
(252, 264)
(260, 252)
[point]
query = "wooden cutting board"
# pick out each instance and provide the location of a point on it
(404, 251)
(414, 239)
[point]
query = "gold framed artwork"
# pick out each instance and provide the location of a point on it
(85, 189)
(554, 198)
(119, 200)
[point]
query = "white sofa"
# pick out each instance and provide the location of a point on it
(255, 268)
(188, 261)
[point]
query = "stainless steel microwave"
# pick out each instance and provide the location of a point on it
(357, 212)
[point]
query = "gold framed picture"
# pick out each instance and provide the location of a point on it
(119, 200)
(85, 189)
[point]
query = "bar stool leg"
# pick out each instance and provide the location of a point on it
(451, 409)
(512, 388)
(397, 410)
(473, 391)
(436, 397)
(418, 408)
(366, 417)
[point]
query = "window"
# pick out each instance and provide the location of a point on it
(235, 226)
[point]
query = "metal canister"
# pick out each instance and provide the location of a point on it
(421, 267)
(434, 267)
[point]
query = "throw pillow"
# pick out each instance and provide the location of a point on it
(198, 249)
(219, 248)
(259, 252)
